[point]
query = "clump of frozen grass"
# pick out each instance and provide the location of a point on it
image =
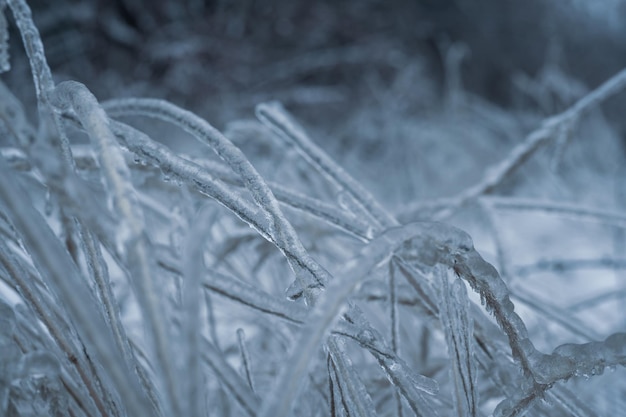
(136, 280)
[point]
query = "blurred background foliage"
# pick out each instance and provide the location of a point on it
(391, 85)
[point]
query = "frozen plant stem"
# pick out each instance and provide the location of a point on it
(548, 131)
(245, 357)
(56, 327)
(276, 118)
(70, 288)
(131, 242)
(279, 226)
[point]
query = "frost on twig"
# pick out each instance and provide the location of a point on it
(358, 401)
(67, 284)
(277, 119)
(5, 63)
(131, 238)
(279, 226)
(459, 328)
(548, 131)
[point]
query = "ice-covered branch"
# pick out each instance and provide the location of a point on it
(277, 119)
(65, 281)
(131, 238)
(548, 131)
(279, 226)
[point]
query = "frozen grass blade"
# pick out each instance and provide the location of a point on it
(324, 315)
(238, 388)
(209, 178)
(5, 63)
(395, 324)
(411, 385)
(459, 327)
(548, 131)
(253, 297)
(554, 313)
(44, 85)
(359, 402)
(71, 290)
(54, 321)
(279, 227)
(8, 351)
(573, 211)
(245, 357)
(276, 118)
(99, 273)
(131, 239)
(34, 48)
(193, 270)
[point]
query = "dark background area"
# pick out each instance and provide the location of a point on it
(209, 55)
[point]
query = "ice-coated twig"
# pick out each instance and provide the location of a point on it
(253, 297)
(207, 177)
(71, 96)
(325, 314)
(245, 358)
(337, 217)
(54, 322)
(569, 401)
(411, 385)
(193, 268)
(611, 218)
(554, 313)
(248, 400)
(358, 401)
(5, 62)
(202, 180)
(336, 397)
(274, 116)
(548, 131)
(279, 226)
(99, 273)
(42, 78)
(34, 48)
(598, 299)
(459, 328)
(70, 288)
(566, 265)
(395, 324)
